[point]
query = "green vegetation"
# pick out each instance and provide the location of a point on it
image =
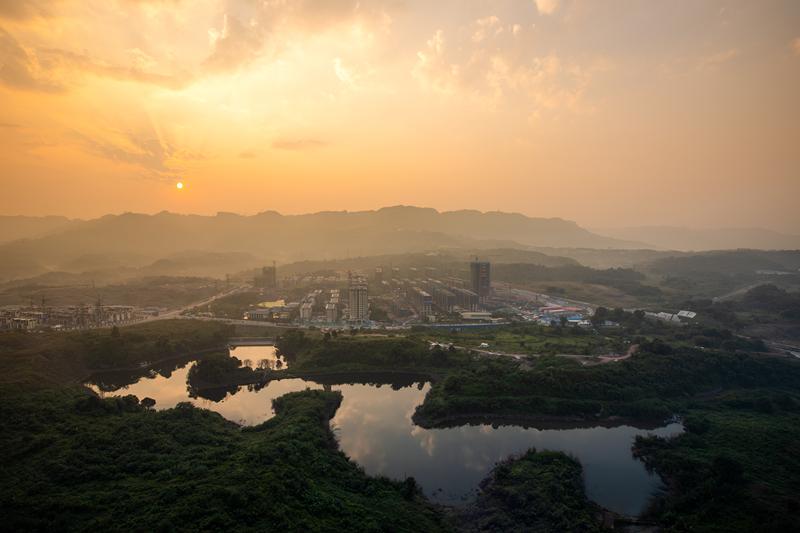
(293, 342)
(533, 340)
(626, 280)
(537, 492)
(363, 353)
(158, 291)
(737, 467)
(648, 385)
(727, 262)
(765, 310)
(216, 369)
(714, 274)
(75, 462)
(44, 359)
(234, 305)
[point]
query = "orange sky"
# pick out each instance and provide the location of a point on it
(608, 113)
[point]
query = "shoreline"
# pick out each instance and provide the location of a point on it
(151, 364)
(335, 377)
(535, 421)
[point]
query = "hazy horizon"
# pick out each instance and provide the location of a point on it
(596, 229)
(614, 115)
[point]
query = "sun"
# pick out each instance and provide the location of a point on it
(179, 185)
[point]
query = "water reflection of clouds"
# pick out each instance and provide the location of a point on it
(426, 439)
(449, 463)
(374, 428)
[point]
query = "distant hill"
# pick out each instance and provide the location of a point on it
(449, 262)
(676, 238)
(201, 264)
(731, 262)
(22, 227)
(286, 238)
(104, 272)
(608, 258)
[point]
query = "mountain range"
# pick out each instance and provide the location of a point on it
(692, 239)
(135, 240)
(174, 244)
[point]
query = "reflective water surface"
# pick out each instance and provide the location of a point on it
(374, 428)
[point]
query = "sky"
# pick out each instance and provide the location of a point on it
(615, 113)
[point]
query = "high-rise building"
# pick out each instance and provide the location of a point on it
(268, 279)
(306, 311)
(465, 299)
(358, 306)
(331, 312)
(480, 275)
(422, 301)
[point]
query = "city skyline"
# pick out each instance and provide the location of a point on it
(623, 114)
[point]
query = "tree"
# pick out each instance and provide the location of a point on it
(148, 403)
(600, 316)
(291, 343)
(727, 469)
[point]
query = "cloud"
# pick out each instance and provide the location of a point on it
(343, 73)
(70, 63)
(24, 9)
(53, 70)
(246, 31)
(546, 7)
(20, 69)
(251, 30)
(142, 148)
(247, 154)
(499, 70)
(298, 144)
(432, 68)
(796, 46)
(717, 59)
(486, 26)
(235, 44)
(9, 125)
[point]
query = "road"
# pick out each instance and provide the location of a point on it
(538, 297)
(176, 313)
(737, 292)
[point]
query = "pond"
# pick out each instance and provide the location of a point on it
(374, 428)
